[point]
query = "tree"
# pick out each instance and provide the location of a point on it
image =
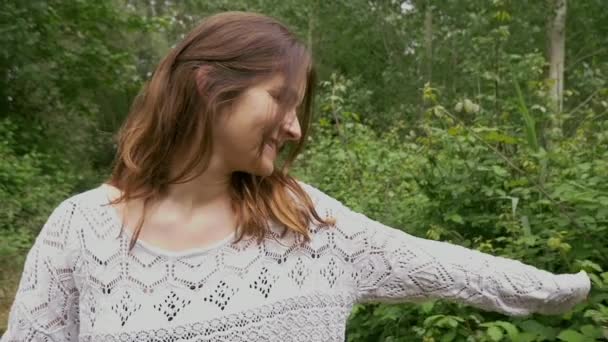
(556, 38)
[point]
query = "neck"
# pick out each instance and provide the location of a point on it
(211, 188)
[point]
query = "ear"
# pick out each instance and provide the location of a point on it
(201, 75)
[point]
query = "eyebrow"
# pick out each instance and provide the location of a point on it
(291, 92)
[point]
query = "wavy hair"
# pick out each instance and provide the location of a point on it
(174, 112)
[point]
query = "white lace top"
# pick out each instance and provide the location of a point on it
(81, 284)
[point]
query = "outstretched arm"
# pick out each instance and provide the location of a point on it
(394, 266)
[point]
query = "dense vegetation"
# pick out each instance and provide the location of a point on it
(483, 123)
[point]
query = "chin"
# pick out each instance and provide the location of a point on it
(266, 168)
(263, 169)
(266, 164)
(261, 165)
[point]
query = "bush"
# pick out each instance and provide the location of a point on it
(477, 186)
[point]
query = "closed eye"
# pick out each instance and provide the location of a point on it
(293, 97)
(275, 96)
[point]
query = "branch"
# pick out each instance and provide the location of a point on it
(577, 108)
(538, 186)
(580, 59)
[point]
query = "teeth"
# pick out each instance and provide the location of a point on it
(272, 144)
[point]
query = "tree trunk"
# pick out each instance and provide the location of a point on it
(427, 61)
(428, 42)
(312, 14)
(556, 35)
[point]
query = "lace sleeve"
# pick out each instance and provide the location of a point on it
(46, 304)
(393, 266)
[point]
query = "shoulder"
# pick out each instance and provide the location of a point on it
(91, 197)
(347, 222)
(319, 198)
(89, 204)
(70, 206)
(76, 212)
(59, 237)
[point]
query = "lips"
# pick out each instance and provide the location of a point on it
(274, 144)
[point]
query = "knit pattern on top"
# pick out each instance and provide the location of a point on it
(80, 283)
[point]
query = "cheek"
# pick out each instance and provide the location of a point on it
(237, 139)
(243, 130)
(252, 129)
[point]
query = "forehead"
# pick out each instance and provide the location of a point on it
(277, 83)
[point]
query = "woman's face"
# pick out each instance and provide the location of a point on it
(238, 136)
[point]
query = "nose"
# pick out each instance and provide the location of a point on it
(291, 127)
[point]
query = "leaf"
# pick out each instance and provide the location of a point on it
(500, 138)
(554, 243)
(448, 337)
(538, 329)
(571, 336)
(509, 328)
(389, 312)
(530, 124)
(456, 218)
(447, 322)
(429, 321)
(495, 333)
(427, 307)
(500, 171)
(454, 131)
(526, 337)
(591, 331)
(590, 265)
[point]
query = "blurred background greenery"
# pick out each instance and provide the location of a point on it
(479, 122)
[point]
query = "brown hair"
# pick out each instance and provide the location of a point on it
(174, 111)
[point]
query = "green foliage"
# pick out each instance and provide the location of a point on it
(478, 186)
(384, 142)
(60, 62)
(26, 189)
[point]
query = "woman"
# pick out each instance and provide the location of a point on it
(197, 236)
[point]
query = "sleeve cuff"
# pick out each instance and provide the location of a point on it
(582, 284)
(573, 289)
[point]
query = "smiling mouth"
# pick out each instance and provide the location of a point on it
(273, 145)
